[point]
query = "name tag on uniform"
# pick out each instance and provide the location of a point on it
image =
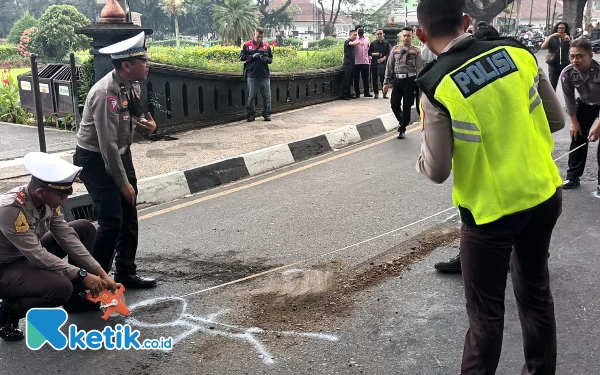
(483, 71)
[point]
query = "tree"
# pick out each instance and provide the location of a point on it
(573, 13)
(235, 20)
(486, 10)
(270, 16)
(56, 36)
(364, 14)
(175, 9)
(27, 21)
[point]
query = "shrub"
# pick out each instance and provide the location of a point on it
(172, 43)
(324, 43)
(88, 78)
(7, 51)
(27, 21)
(25, 41)
(10, 106)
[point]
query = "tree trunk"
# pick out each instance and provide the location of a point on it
(518, 15)
(486, 10)
(177, 31)
(573, 13)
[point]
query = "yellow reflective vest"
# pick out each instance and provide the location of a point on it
(502, 162)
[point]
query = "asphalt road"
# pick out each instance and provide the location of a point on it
(18, 140)
(375, 308)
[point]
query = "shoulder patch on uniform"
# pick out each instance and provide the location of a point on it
(57, 211)
(113, 103)
(21, 198)
(21, 224)
(483, 71)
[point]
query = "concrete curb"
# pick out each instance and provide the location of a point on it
(179, 184)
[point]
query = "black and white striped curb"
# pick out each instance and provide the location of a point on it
(180, 184)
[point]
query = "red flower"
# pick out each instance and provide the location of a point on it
(6, 81)
(5, 63)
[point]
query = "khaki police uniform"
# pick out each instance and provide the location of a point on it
(586, 108)
(401, 70)
(104, 151)
(34, 242)
(490, 244)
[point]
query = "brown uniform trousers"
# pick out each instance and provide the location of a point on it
(521, 242)
(23, 286)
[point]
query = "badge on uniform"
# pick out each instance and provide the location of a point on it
(21, 198)
(21, 224)
(58, 212)
(125, 103)
(125, 117)
(113, 103)
(562, 78)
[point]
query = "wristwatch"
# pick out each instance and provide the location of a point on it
(81, 274)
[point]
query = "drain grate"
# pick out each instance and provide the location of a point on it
(79, 207)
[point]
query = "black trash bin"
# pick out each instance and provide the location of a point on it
(46, 92)
(63, 95)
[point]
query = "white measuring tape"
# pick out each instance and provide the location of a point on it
(253, 276)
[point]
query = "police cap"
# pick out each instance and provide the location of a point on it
(133, 47)
(52, 171)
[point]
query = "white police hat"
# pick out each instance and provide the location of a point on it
(52, 171)
(132, 47)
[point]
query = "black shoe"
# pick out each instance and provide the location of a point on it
(267, 118)
(571, 184)
(135, 281)
(368, 95)
(451, 266)
(385, 96)
(346, 98)
(376, 96)
(9, 330)
(251, 118)
(401, 135)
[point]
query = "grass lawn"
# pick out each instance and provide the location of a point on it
(15, 72)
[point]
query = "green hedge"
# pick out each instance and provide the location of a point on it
(226, 59)
(7, 51)
(183, 43)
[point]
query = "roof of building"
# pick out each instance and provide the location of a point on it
(309, 11)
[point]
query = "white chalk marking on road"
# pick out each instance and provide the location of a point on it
(209, 325)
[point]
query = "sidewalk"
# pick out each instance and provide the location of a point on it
(192, 149)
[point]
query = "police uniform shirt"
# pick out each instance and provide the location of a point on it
(403, 60)
(586, 84)
(435, 160)
(22, 226)
(106, 124)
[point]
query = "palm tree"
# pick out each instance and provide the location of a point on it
(235, 20)
(174, 8)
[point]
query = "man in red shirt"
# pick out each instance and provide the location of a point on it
(257, 56)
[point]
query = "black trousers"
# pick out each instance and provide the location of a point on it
(377, 76)
(403, 97)
(24, 286)
(361, 70)
(586, 115)
(521, 242)
(347, 78)
(554, 74)
(117, 218)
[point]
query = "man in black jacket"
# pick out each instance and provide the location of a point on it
(379, 51)
(348, 65)
(257, 56)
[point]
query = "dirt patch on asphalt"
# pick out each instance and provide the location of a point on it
(191, 266)
(307, 299)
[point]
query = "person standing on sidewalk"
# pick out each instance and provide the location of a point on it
(379, 52)
(257, 55)
(558, 45)
(361, 63)
(348, 64)
(111, 114)
(488, 117)
(582, 75)
(403, 65)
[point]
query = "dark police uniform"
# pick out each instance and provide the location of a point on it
(33, 244)
(587, 108)
(348, 67)
(382, 47)
(104, 151)
(404, 63)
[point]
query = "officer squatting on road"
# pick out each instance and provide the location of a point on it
(257, 55)
(111, 114)
(508, 208)
(34, 240)
(402, 68)
(582, 75)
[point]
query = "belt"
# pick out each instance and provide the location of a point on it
(405, 75)
(91, 148)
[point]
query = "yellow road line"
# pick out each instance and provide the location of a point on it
(269, 179)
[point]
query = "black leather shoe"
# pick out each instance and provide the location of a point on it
(571, 184)
(267, 118)
(11, 332)
(376, 96)
(135, 281)
(251, 118)
(451, 266)
(401, 135)
(368, 95)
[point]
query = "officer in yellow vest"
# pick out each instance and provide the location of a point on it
(487, 115)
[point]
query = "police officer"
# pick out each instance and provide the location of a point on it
(112, 112)
(379, 51)
(348, 65)
(487, 107)
(35, 238)
(402, 67)
(582, 75)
